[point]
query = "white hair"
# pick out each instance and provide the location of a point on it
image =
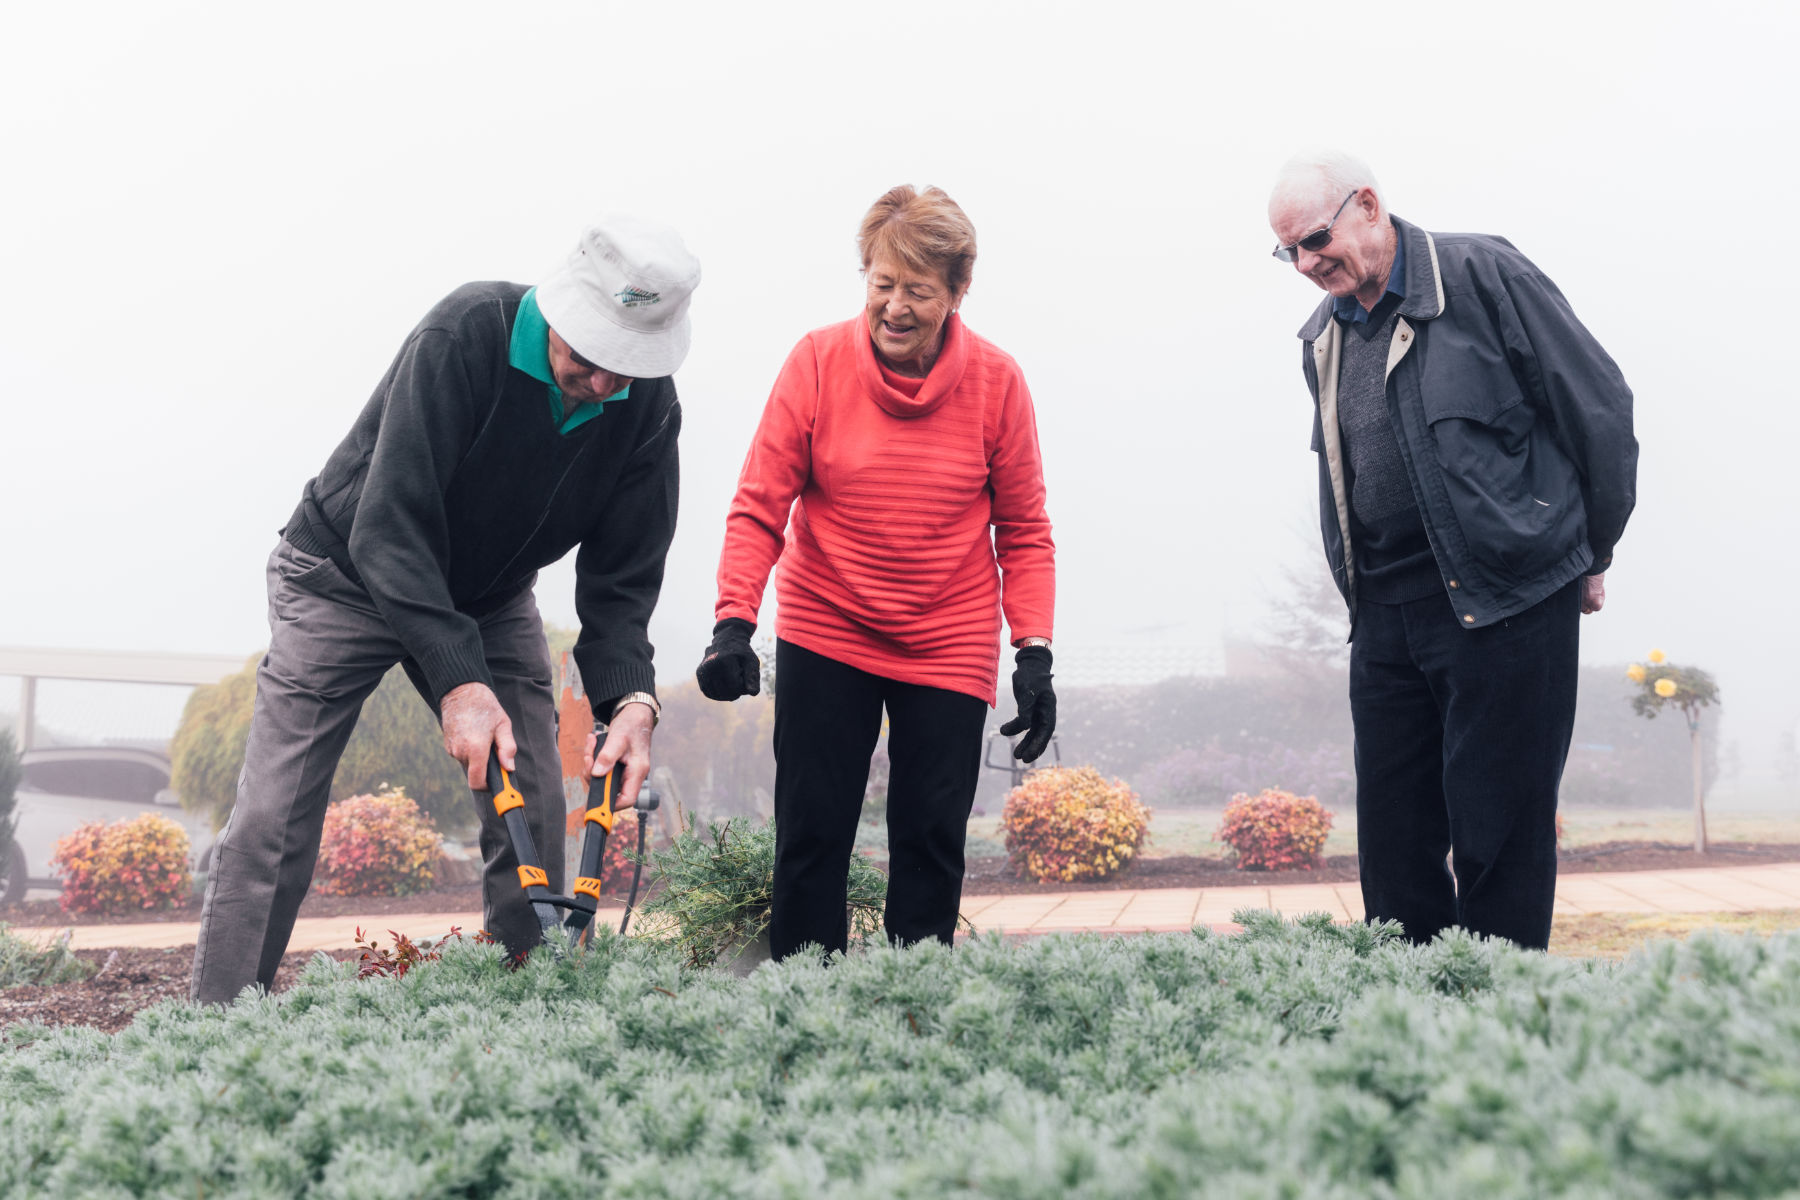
(1323, 175)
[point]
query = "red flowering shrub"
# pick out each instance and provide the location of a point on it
(1275, 830)
(379, 845)
(615, 867)
(1069, 823)
(124, 867)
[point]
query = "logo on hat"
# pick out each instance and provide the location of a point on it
(635, 297)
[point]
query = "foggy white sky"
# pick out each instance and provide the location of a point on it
(218, 223)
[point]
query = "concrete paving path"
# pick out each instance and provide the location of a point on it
(1711, 889)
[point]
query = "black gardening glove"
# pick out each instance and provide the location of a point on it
(730, 668)
(1037, 702)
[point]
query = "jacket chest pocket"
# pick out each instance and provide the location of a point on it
(1484, 441)
(1475, 410)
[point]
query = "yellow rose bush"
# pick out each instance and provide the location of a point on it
(377, 845)
(127, 866)
(1275, 830)
(1065, 824)
(1689, 689)
(1663, 682)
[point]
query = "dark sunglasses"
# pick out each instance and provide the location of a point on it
(584, 363)
(1312, 242)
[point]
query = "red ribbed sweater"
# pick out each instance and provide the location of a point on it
(888, 564)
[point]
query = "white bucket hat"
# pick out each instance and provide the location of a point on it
(621, 298)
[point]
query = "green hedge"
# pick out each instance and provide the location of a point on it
(1300, 1060)
(10, 773)
(396, 742)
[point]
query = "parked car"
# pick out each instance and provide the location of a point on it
(61, 787)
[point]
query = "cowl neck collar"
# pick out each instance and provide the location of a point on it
(939, 382)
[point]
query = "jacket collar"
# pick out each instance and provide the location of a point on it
(1424, 283)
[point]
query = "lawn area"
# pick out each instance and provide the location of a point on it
(1587, 826)
(1291, 1060)
(1614, 935)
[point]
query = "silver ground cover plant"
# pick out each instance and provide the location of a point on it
(1295, 1059)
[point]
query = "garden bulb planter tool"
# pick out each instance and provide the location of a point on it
(1015, 769)
(584, 898)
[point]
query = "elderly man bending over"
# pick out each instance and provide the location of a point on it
(1476, 468)
(515, 424)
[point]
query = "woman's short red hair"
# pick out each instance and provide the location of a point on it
(927, 231)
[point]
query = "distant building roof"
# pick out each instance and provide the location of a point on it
(1090, 664)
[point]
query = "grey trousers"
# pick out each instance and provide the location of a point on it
(328, 649)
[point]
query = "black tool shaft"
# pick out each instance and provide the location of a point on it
(593, 846)
(524, 848)
(593, 841)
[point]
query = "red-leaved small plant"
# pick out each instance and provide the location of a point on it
(378, 961)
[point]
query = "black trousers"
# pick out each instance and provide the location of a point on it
(1461, 736)
(827, 722)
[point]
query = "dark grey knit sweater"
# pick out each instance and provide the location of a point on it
(454, 486)
(1394, 562)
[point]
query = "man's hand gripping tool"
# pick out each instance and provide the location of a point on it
(584, 899)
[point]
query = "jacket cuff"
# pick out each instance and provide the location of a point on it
(450, 666)
(1602, 561)
(603, 683)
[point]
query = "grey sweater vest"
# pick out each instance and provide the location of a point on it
(1394, 562)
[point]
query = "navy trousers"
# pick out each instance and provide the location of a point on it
(827, 722)
(1461, 736)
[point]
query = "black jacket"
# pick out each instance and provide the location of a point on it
(454, 487)
(1513, 423)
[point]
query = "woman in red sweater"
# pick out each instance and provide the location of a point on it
(904, 447)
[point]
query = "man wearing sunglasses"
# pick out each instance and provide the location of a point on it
(516, 424)
(1476, 468)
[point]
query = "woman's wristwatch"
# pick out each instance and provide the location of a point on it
(640, 698)
(1034, 641)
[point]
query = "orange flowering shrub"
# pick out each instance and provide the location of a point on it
(1069, 823)
(125, 866)
(1275, 830)
(379, 845)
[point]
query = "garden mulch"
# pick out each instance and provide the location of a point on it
(455, 899)
(128, 980)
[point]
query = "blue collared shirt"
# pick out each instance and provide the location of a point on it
(530, 353)
(1346, 308)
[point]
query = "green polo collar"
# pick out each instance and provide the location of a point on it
(530, 353)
